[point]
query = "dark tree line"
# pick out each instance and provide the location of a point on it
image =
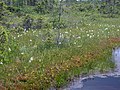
(25, 2)
(48, 3)
(20, 2)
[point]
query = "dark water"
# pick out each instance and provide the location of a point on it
(97, 83)
(109, 81)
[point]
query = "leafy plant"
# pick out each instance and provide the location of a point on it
(8, 46)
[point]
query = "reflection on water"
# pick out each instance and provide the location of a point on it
(109, 81)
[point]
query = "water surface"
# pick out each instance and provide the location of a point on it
(108, 81)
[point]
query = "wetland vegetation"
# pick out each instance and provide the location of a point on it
(46, 43)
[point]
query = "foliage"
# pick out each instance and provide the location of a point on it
(58, 25)
(13, 9)
(30, 59)
(38, 24)
(110, 10)
(83, 7)
(8, 47)
(42, 7)
(27, 23)
(3, 11)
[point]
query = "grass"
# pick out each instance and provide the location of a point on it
(40, 64)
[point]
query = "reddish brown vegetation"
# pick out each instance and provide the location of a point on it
(114, 40)
(1, 86)
(53, 70)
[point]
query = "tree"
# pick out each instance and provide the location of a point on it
(27, 24)
(59, 19)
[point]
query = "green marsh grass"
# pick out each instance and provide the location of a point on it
(40, 63)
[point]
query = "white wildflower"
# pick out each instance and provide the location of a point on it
(106, 28)
(35, 46)
(79, 46)
(76, 27)
(113, 25)
(66, 32)
(1, 62)
(40, 60)
(79, 37)
(43, 40)
(9, 49)
(59, 43)
(34, 31)
(18, 35)
(36, 35)
(27, 31)
(88, 35)
(22, 53)
(91, 30)
(74, 42)
(31, 59)
(61, 35)
(14, 37)
(24, 29)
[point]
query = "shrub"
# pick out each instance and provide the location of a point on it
(27, 23)
(83, 7)
(13, 9)
(8, 47)
(38, 24)
(3, 11)
(42, 7)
